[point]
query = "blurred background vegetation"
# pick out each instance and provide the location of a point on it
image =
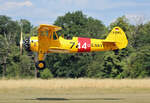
(131, 62)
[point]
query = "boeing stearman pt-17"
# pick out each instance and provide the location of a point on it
(48, 41)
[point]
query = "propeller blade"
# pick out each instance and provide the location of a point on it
(21, 42)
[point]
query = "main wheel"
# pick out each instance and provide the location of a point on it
(40, 65)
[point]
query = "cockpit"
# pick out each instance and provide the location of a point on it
(49, 30)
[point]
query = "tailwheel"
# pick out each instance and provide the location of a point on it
(40, 65)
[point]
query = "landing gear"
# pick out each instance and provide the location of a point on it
(40, 65)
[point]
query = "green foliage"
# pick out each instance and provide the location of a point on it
(131, 62)
(46, 74)
(78, 24)
(13, 64)
(26, 26)
(95, 68)
(137, 64)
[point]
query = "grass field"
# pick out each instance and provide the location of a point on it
(75, 91)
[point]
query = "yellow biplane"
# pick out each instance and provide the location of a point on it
(48, 41)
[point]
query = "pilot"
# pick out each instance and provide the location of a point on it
(68, 36)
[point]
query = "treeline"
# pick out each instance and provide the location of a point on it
(131, 62)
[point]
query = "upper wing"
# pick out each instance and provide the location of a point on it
(49, 27)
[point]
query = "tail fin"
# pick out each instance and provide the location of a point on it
(118, 36)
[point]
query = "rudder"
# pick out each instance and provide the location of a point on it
(118, 36)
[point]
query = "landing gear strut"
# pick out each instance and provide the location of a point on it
(40, 65)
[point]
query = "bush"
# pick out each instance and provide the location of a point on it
(46, 74)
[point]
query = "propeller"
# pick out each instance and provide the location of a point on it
(24, 43)
(21, 41)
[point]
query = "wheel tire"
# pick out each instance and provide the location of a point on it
(40, 65)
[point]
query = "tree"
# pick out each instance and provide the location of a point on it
(112, 64)
(9, 49)
(8, 33)
(95, 68)
(137, 63)
(26, 25)
(78, 24)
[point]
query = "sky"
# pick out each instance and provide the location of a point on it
(47, 11)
